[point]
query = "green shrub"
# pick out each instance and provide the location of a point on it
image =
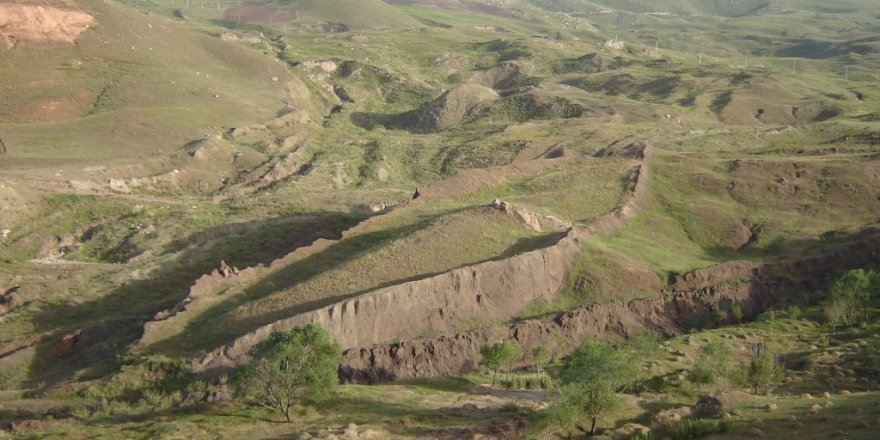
(691, 428)
(641, 436)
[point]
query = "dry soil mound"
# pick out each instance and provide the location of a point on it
(41, 23)
(452, 109)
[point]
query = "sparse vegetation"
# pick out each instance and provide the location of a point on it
(181, 175)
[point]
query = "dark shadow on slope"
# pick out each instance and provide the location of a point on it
(202, 335)
(816, 49)
(100, 331)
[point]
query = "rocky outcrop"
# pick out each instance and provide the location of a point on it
(533, 220)
(288, 166)
(753, 288)
(20, 22)
(494, 290)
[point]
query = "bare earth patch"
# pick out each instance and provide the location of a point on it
(41, 23)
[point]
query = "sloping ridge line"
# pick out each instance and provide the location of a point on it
(493, 290)
(206, 290)
(755, 288)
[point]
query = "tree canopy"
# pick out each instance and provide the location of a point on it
(291, 367)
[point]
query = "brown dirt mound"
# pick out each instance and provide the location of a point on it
(494, 289)
(41, 23)
(452, 109)
(506, 75)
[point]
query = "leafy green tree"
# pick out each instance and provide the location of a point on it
(737, 313)
(540, 356)
(762, 371)
(591, 378)
(498, 356)
(291, 367)
(849, 296)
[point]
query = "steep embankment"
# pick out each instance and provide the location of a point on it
(490, 290)
(696, 298)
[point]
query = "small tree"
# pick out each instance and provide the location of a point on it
(737, 313)
(849, 296)
(291, 367)
(762, 371)
(540, 356)
(591, 378)
(498, 356)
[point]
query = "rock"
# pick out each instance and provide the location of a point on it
(756, 433)
(628, 430)
(815, 409)
(530, 219)
(807, 396)
(350, 431)
(304, 436)
(502, 206)
(826, 395)
(845, 392)
(771, 407)
(707, 406)
(226, 270)
(827, 404)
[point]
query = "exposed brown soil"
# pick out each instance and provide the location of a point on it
(493, 290)
(452, 109)
(695, 301)
(23, 22)
(490, 290)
